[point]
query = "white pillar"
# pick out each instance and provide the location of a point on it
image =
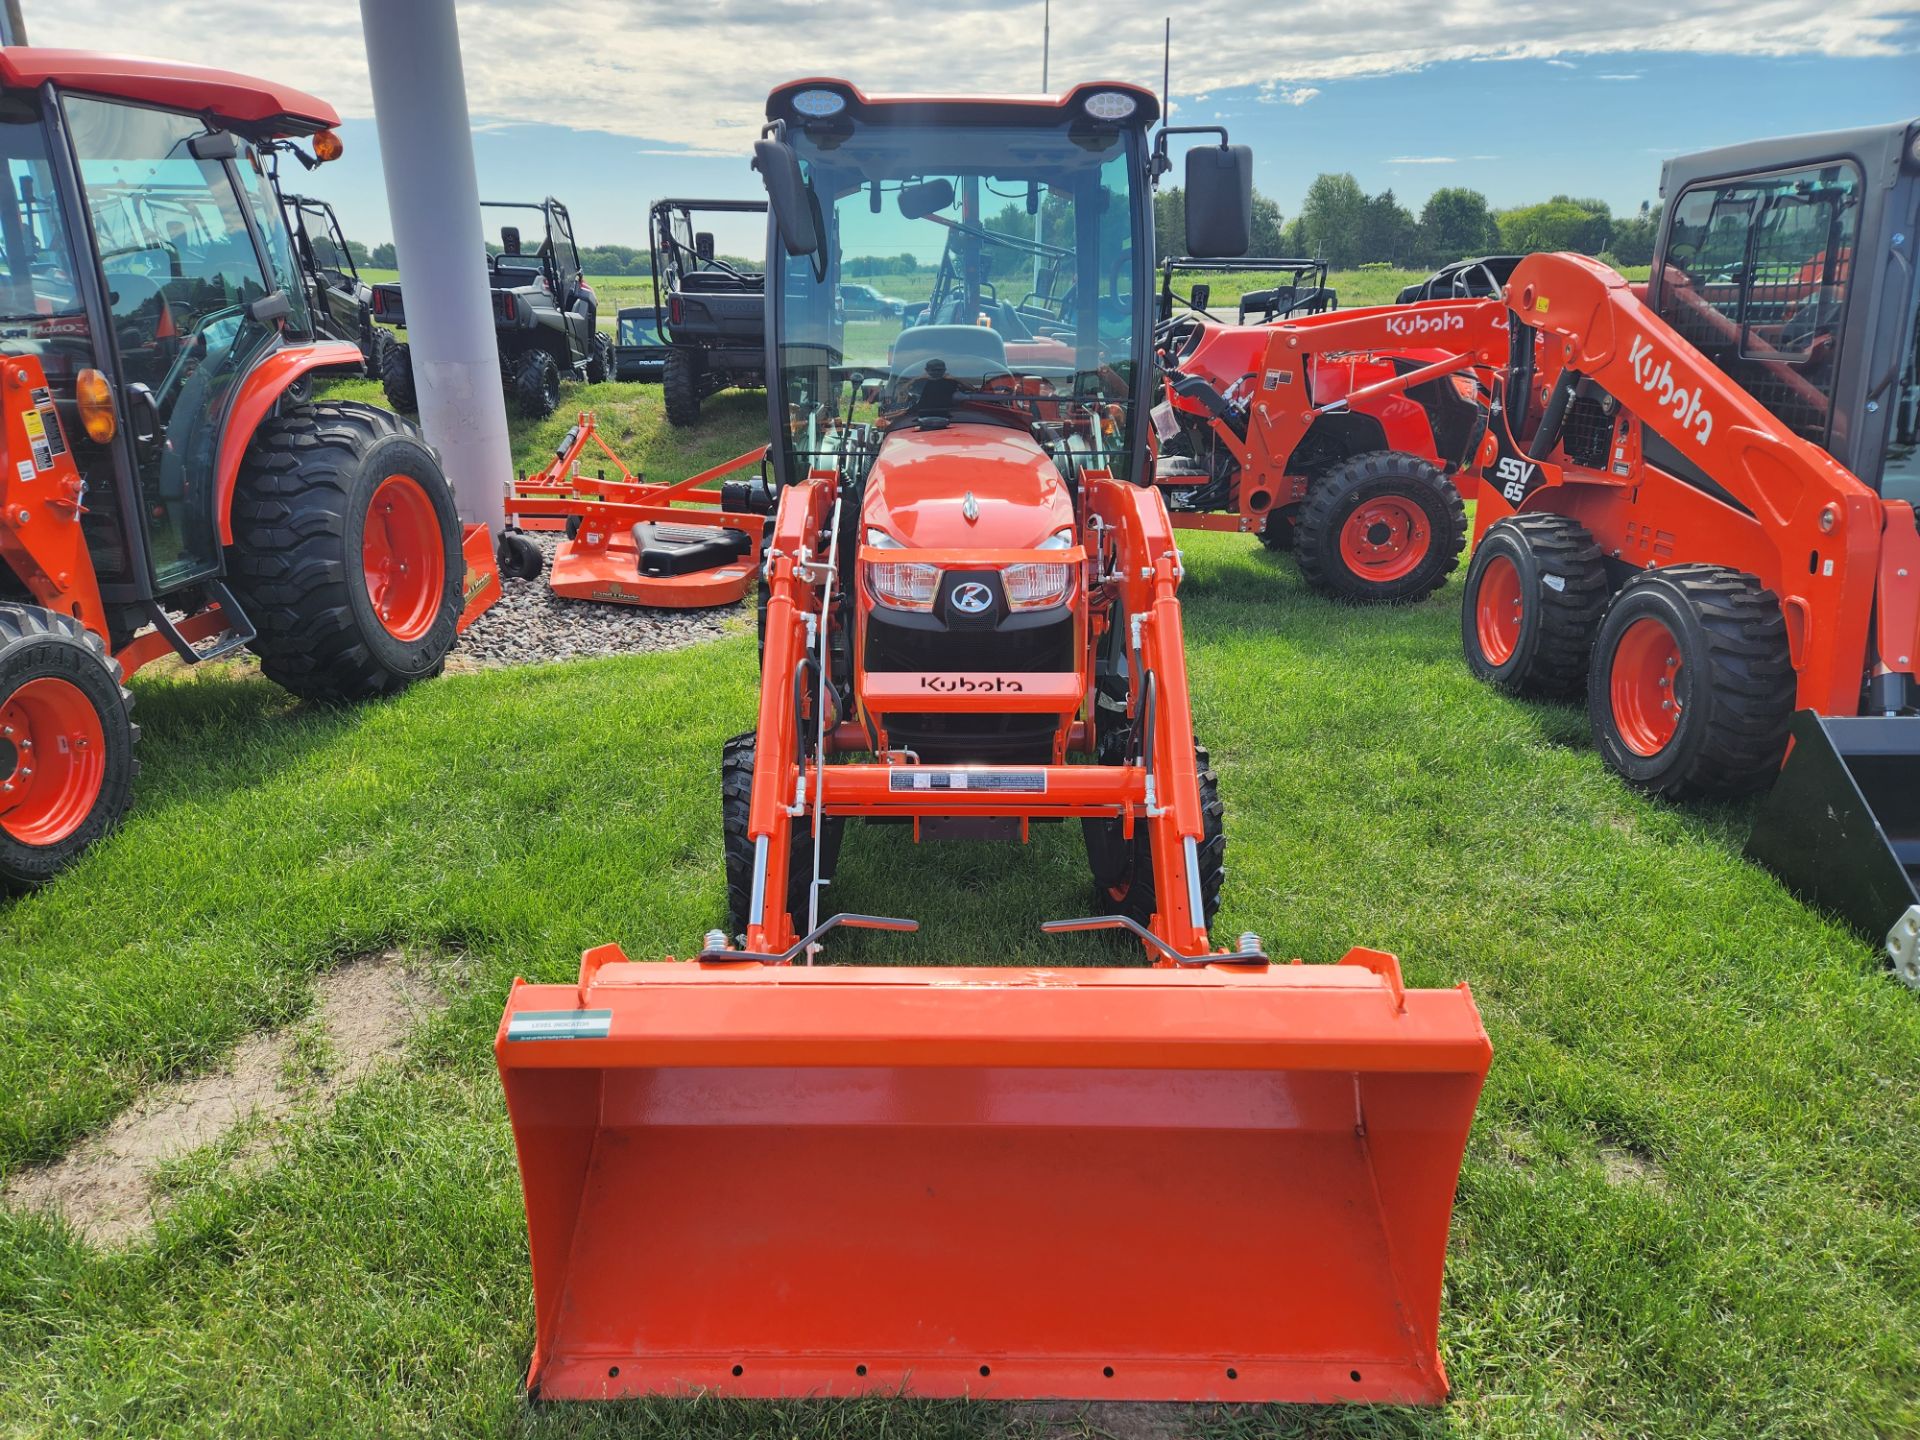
(426, 149)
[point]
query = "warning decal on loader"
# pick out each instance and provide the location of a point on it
(561, 1025)
(1024, 782)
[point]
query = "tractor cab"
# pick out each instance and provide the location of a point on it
(150, 274)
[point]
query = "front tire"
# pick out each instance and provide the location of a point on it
(536, 385)
(600, 358)
(1531, 604)
(1384, 528)
(396, 374)
(1692, 685)
(66, 744)
(1123, 869)
(346, 552)
(736, 808)
(680, 386)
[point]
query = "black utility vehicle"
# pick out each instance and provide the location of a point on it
(713, 312)
(545, 317)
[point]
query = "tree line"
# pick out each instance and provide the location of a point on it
(1343, 225)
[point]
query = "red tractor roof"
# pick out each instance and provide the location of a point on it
(240, 100)
(954, 108)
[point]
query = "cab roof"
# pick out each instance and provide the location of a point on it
(973, 109)
(239, 101)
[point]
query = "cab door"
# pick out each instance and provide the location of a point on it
(191, 305)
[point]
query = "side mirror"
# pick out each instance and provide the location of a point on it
(927, 198)
(1219, 201)
(510, 239)
(214, 145)
(1200, 297)
(703, 244)
(779, 169)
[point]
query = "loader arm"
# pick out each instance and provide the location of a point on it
(1760, 499)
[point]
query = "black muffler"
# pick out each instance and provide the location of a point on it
(1841, 827)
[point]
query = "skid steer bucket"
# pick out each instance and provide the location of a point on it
(1195, 1184)
(1841, 826)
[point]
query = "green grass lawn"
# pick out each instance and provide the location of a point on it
(1688, 1208)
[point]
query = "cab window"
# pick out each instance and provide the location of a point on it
(40, 310)
(1755, 277)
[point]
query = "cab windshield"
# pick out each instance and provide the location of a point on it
(1010, 254)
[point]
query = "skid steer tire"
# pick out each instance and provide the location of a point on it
(1123, 868)
(66, 744)
(396, 374)
(536, 385)
(600, 358)
(1532, 602)
(1692, 686)
(680, 388)
(1384, 528)
(736, 805)
(331, 503)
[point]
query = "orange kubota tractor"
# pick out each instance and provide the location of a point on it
(1208, 1176)
(1701, 509)
(168, 487)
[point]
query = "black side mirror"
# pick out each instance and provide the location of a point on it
(1219, 201)
(927, 198)
(215, 145)
(703, 244)
(1200, 297)
(510, 239)
(792, 207)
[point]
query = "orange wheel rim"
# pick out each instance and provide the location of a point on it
(1644, 687)
(1496, 610)
(53, 761)
(401, 555)
(1385, 538)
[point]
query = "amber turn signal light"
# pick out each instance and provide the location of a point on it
(327, 146)
(90, 388)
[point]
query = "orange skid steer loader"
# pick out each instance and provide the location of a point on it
(1205, 1177)
(1701, 509)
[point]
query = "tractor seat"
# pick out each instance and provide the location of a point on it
(971, 353)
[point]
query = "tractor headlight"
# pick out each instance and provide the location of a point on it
(1036, 587)
(1111, 105)
(881, 540)
(904, 584)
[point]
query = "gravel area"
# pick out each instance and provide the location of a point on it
(531, 625)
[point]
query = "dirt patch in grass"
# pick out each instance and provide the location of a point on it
(1623, 1165)
(106, 1186)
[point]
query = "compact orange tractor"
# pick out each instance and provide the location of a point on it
(1701, 509)
(1210, 1176)
(168, 489)
(1339, 436)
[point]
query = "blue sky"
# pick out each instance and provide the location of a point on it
(610, 103)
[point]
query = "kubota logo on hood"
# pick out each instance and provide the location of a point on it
(967, 685)
(1404, 325)
(972, 598)
(1654, 372)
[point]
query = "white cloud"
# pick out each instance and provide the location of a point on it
(665, 71)
(1564, 64)
(1635, 75)
(1424, 160)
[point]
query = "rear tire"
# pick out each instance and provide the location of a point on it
(66, 744)
(340, 512)
(680, 386)
(1692, 686)
(396, 374)
(600, 358)
(1531, 605)
(536, 385)
(1384, 528)
(736, 806)
(1123, 869)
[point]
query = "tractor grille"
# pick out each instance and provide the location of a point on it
(905, 644)
(1588, 436)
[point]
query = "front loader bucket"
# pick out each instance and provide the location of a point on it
(1204, 1184)
(1841, 826)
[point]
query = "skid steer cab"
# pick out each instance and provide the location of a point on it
(168, 486)
(971, 626)
(1700, 509)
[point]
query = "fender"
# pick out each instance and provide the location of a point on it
(264, 385)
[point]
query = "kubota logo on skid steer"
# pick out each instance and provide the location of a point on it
(1655, 375)
(967, 685)
(1404, 325)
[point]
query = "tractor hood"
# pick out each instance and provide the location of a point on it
(918, 489)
